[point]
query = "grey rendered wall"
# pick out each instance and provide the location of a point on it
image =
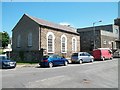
(25, 26)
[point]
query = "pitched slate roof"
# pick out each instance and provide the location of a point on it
(53, 25)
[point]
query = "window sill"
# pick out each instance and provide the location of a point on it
(63, 52)
(50, 52)
(29, 46)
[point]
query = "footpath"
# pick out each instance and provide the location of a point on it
(27, 65)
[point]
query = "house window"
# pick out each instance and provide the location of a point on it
(74, 44)
(18, 40)
(116, 31)
(63, 44)
(104, 42)
(50, 42)
(30, 39)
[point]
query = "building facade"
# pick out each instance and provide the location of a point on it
(104, 37)
(31, 35)
(117, 22)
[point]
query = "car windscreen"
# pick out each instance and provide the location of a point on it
(46, 56)
(75, 54)
(3, 58)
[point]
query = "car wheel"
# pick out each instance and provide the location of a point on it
(92, 60)
(103, 59)
(65, 63)
(80, 62)
(50, 65)
(111, 58)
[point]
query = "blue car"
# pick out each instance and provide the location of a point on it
(6, 63)
(53, 60)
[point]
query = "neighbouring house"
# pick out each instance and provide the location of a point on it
(104, 36)
(117, 22)
(8, 48)
(32, 35)
(0, 40)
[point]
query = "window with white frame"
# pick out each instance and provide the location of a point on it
(104, 42)
(18, 40)
(50, 42)
(30, 39)
(74, 44)
(63, 44)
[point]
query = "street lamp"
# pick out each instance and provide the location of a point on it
(94, 32)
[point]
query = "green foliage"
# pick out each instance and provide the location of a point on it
(4, 38)
(1, 51)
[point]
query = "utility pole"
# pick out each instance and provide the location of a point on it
(95, 33)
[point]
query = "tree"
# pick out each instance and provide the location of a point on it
(4, 37)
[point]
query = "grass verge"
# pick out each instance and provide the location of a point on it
(24, 63)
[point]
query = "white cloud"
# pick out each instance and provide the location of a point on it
(65, 23)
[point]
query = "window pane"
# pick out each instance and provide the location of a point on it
(18, 40)
(63, 44)
(30, 39)
(50, 38)
(74, 45)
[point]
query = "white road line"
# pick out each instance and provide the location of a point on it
(52, 78)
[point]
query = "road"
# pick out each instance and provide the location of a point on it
(99, 74)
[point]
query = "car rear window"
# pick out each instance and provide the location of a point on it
(75, 54)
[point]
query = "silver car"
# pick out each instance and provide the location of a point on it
(81, 57)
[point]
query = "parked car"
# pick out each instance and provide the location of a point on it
(6, 63)
(53, 60)
(81, 57)
(116, 54)
(102, 54)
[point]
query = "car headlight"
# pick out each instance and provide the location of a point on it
(6, 62)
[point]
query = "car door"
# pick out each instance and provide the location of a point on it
(54, 59)
(88, 58)
(60, 59)
(82, 56)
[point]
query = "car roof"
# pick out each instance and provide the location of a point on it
(80, 52)
(3, 55)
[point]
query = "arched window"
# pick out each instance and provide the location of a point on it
(18, 40)
(63, 44)
(50, 42)
(30, 39)
(74, 44)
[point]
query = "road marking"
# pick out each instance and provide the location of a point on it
(47, 82)
(51, 78)
(8, 70)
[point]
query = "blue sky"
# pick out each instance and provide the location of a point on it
(78, 14)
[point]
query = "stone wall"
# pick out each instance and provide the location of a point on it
(107, 41)
(87, 40)
(26, 56)
(58, 35)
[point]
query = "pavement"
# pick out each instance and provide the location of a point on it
(27, 65)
